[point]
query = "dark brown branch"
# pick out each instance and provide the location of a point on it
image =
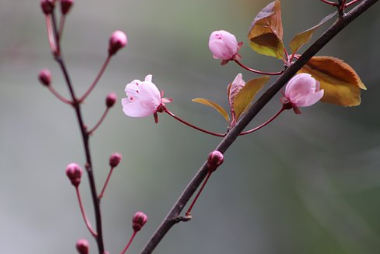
(171, 219)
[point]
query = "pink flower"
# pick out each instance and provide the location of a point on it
(302, 91)
(143, 99)
(224, 46)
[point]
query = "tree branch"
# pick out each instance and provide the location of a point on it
(172, 217)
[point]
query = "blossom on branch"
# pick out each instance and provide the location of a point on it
(224, 46)
(302, 91)
(143, 99)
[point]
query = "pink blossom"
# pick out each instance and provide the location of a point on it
(224, 46)
(302, 91)
(143, 98)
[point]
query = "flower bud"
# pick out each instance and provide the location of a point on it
(74, 173)
(224, 46)
(82, 246)
(115, 159)
(301, 91)
(66, 6)
(118, 40)
(44, 77)
(139, 220)
(111, 99)
(47, 6)
(214, 160)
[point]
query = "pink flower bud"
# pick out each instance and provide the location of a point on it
(118, 40)
(139, 220)
(143, 98)
(302, 91)
(115, 159)
(82, 246)
(45, 77)
(214, 160)
(111, 99)
(66, 6)
(74, 173)
(47, 6)
(224, 46)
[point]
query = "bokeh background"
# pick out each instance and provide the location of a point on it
(306, 183)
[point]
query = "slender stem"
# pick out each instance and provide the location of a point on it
(50, 34)
(86, 221)
(100, 73)
(329, 2)
(61, 26)
(56, 35)
(129, 243)
(264, 124)
(351, 3)
(90, 132)
(188, 213)
(258, 72)
(106, 183)
(59, 96)
(172, 217)
(193, 126)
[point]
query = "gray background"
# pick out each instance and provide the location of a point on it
(307, 183)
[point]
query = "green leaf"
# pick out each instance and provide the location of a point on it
(214, 105)
(340, 82)
(265, 34)
(302, 38)
(246, 95)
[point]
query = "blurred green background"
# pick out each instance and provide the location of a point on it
(307, 183)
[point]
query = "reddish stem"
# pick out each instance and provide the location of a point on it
(188, 213)
(90, 132)
(61, 26)
(328, 2)
(258, 72)
(59, 96)
(129, 243)
(193, 126)
(351, 3)
(264, 124)
(96, 79)
(86, 221)
(106, 183)
(50, 34)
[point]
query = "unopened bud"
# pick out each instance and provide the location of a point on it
(66, 6)
(214, 160)
(74, 173)
(139, 220)
(44, 77)
(111, 99)
(118, 40)
(115, 159)
(82, 246)
(47, 6)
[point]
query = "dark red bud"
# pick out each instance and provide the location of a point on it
(44, 77)
(74, 173)
(82, 246)
(115, 159)
(118, 40)
(214, 160)
(139, 220)
(66, 6)
(47, 6)
(111, 100)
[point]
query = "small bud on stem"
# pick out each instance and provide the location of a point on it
(139, 220)
(47, 6)
(111, 99)
(74, 173)
(45, 77)
(66, 6)
(82, 246)
(118, 40)
(215, 159)
(115, 159)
